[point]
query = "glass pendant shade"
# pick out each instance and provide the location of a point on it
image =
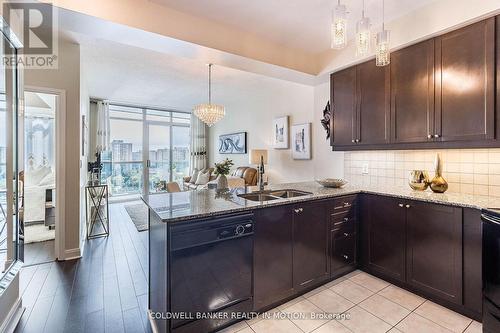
(339, 27)
(382, 53)
(209, 113)
(363, 36)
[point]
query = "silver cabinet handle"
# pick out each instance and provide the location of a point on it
(357, 140)
(408, 206)
(346, 219)
(346, 204)
(437, 135)
(401, 205)
(299, 210)
(346, 234)
(345, 257)
(353, 141)
(429, 136)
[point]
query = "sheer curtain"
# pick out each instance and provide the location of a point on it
(103, 127)
(198, 158)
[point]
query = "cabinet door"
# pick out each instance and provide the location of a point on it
(434, 250)
(310, 251)
(412, 93)
(465, 83)
(343, 255)
(383, 236)
(373, 95)
(273, 241)
(343, 100)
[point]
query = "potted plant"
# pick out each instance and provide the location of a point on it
(222, 169)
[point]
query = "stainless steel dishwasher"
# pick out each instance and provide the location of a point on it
(211, 272)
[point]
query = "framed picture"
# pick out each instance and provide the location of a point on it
(301, 142)
(234, 143)
(280, 133)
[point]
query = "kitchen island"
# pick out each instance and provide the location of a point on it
(215, 256)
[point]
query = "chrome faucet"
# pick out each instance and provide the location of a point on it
(261, 174)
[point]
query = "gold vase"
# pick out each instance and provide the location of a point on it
(438, 183)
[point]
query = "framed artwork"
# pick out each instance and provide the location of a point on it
(301, 142)
(234, 143)
(280, 133)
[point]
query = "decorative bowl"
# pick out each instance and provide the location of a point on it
(331, 182)
(419, 180)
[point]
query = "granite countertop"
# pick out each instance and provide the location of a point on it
(182, 206)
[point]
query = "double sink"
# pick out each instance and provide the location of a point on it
(273, 195)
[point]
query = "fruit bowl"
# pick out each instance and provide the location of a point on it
(331, 182)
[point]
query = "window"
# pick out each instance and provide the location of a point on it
(148, 149)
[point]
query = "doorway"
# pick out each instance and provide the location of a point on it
(42, 154)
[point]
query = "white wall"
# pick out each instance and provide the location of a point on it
(67, 77)
(253, 111)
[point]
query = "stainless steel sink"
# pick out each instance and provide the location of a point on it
(273, 195)
(258, 197)
(289, 193)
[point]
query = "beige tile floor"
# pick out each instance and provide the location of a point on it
(373, 306)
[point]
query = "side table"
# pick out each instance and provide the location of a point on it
(97, 211)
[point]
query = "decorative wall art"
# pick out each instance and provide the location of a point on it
(280, 133)
(327, 116)
(235, 143)
(301, 142)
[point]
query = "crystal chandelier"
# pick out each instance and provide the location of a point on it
(207, 112)
(363, 35)
(339, 27)
(382, 53)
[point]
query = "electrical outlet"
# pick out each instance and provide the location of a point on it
(365, 169)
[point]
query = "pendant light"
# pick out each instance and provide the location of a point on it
(339, 27)
(207, 112)
(382, 53)
(363, 34)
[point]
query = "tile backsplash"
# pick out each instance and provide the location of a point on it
(468, 171)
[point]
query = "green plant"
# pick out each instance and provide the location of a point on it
(224, 167)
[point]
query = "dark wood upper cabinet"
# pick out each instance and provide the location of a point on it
(273, 255)
(373, 103)
(434, 250)
(465, 83)
(343, 96)
(310, 244)
(383, 236)
(412, 93)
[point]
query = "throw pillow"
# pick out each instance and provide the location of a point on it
(203, 178)
(194, 176)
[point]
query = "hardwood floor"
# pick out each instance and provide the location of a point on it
(39, 253)
(105, 291)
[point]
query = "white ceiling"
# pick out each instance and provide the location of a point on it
(299, 24)
(128, 74)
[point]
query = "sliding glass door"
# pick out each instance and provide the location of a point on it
(149, 149)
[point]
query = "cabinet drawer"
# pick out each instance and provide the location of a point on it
(344, 203)
(344, 216)
(343, 251)
(343, 226)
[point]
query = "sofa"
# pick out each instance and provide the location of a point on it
(248, 174)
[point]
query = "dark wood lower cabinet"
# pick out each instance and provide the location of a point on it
(310, 244)
(430, 249)
(383, 240)
(434, 250)
(473, 248)
(273, 255)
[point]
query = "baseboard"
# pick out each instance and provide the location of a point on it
(13, 317)
(71, 254)
(152, 323)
